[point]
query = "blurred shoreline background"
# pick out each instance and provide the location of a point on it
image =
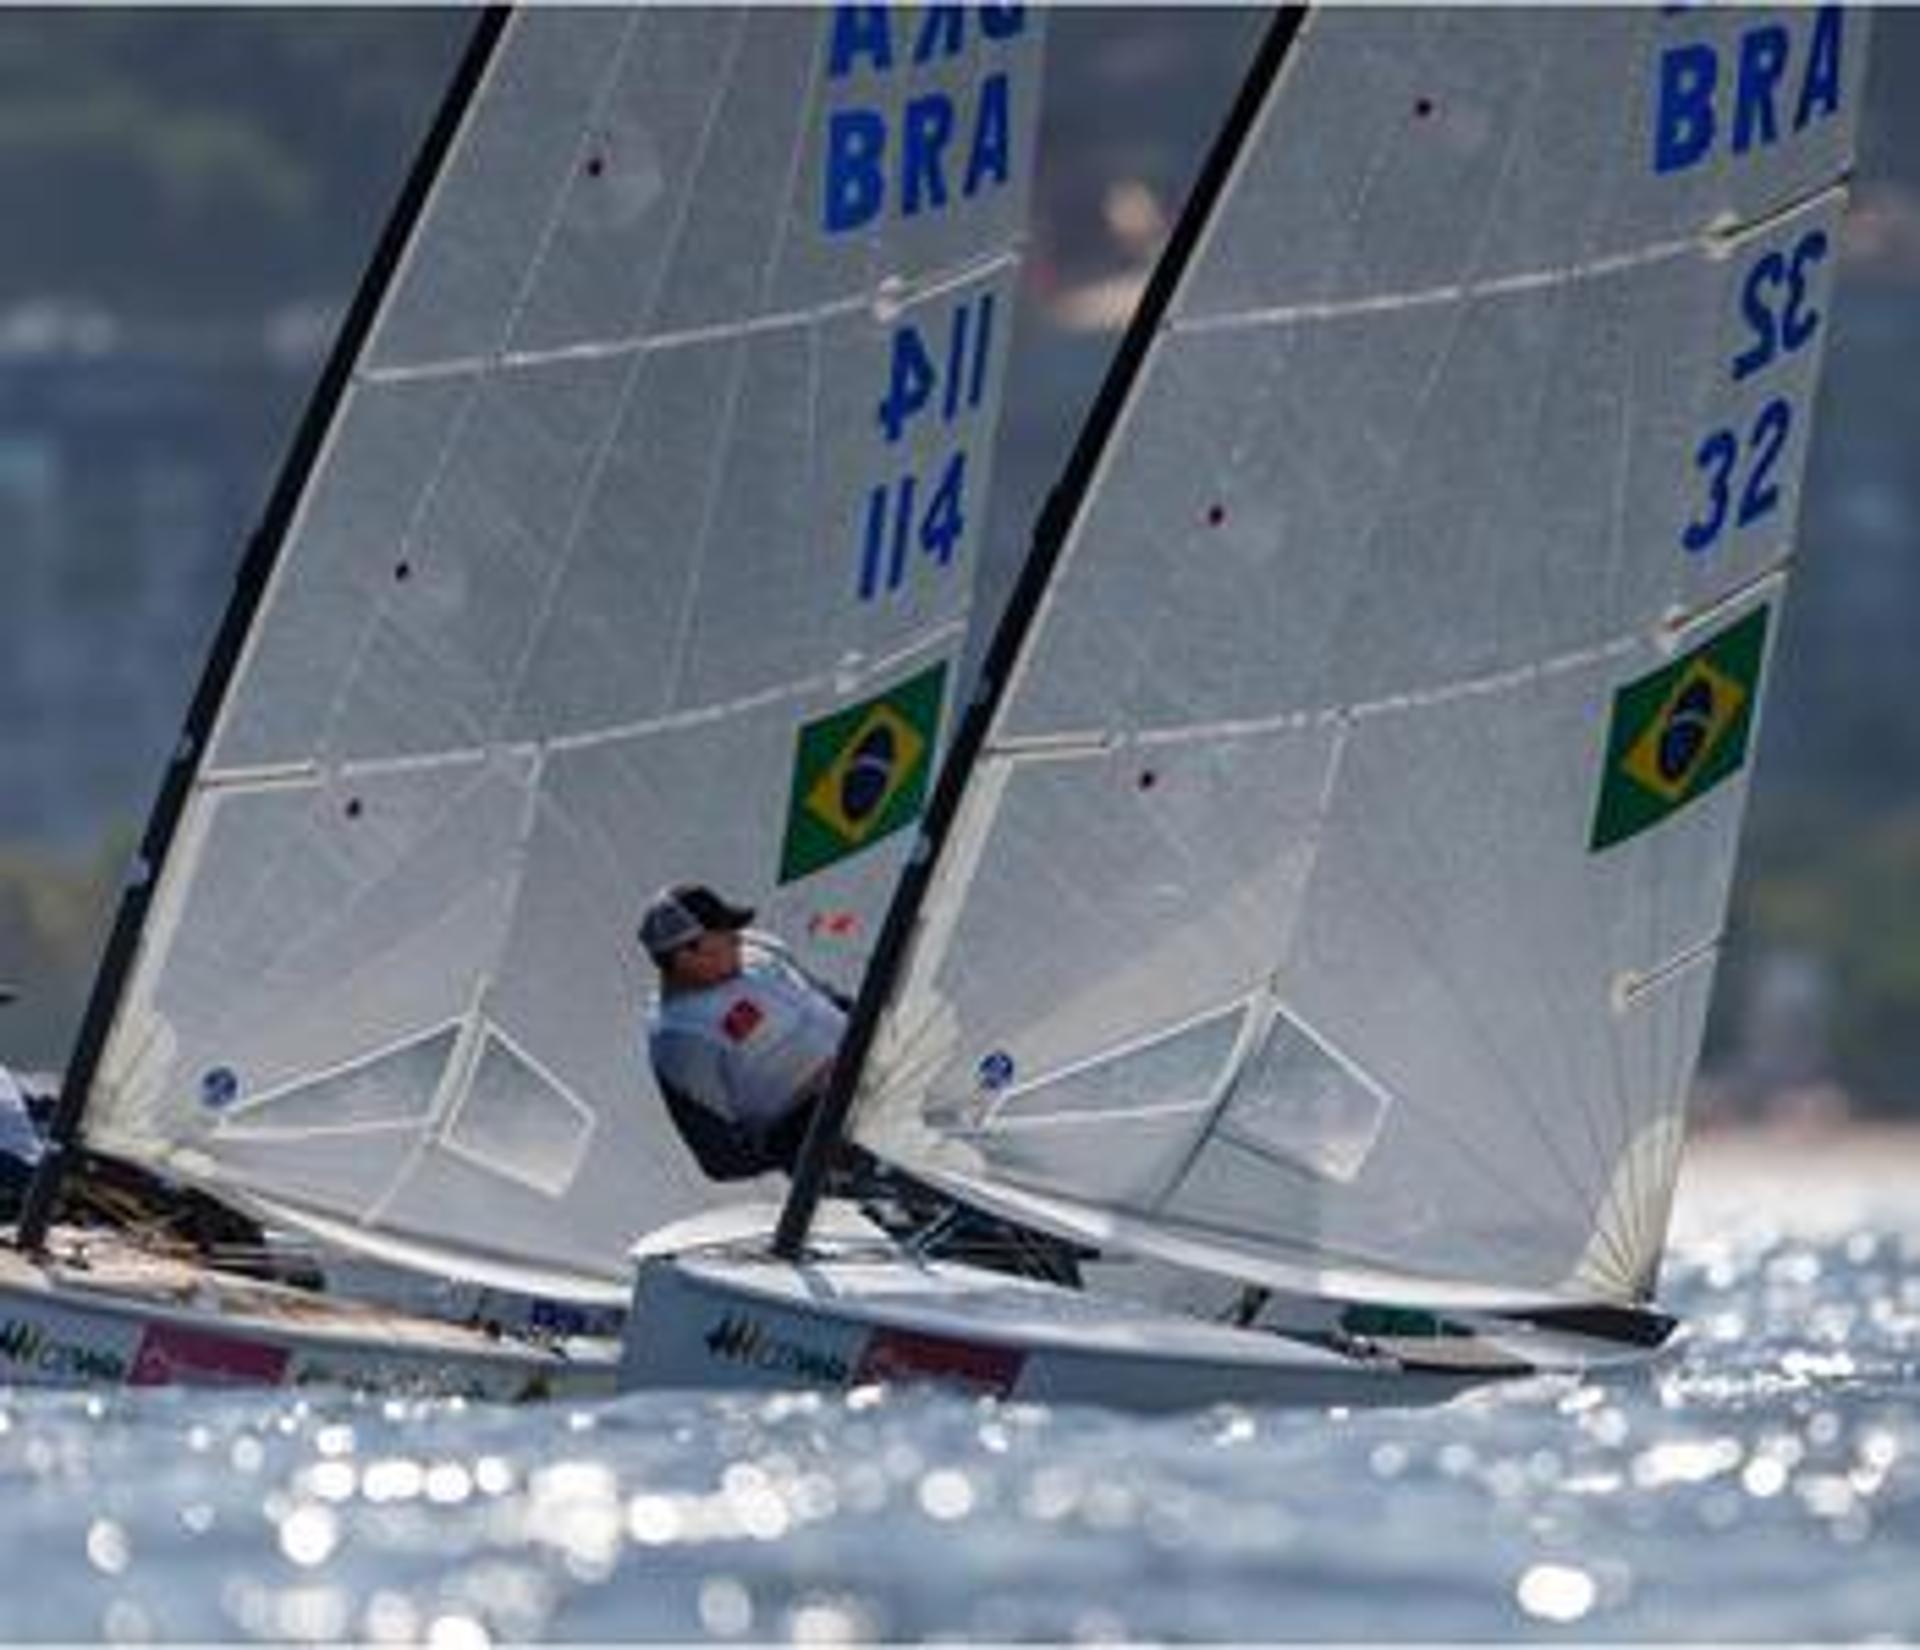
(190, 196)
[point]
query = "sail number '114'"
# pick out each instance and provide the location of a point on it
(941, 372)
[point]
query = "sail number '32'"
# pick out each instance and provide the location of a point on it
(1774, 82)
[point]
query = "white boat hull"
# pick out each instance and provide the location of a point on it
(100, 1314)
(731, 1316)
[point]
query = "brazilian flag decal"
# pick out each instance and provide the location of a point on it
(1677, 733)
(861, 774)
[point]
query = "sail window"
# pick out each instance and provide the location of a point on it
(519, 1122)
(1299, 1101)
(394, 1086)
(1147, 1104)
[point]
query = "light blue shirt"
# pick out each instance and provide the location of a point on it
(751, 1048)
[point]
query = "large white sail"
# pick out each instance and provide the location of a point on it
(1336, 896)
(655, 491)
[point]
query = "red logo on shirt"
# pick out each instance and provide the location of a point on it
(742, 1020)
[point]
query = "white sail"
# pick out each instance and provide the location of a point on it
(659, 477)
(1336, 897)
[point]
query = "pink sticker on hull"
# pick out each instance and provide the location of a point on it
(172, 1356)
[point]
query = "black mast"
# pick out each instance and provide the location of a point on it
(250, 583)
(1036, 573)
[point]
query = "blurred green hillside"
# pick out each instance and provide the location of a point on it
(188, 164)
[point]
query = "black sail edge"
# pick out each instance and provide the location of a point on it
(1055, 522)
(216, 676)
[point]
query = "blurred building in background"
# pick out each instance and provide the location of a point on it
(129, 465)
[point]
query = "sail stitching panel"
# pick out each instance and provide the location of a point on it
(451, 807)
(474, 387)
(1074, 745)
(1558, 1008)
(1041, 1122)
(1670, 1058)
(1611, 1075)
(1146, 1039)
(512, 361)
(1469, 291)
(447, 1140)
(790, 196)
(235, 1118)
(1414, 928)
(1369, 539)
(593, 117)
(560, 564)
(356, 377)
(1715, 244)
(308, 775)
(244, 1134)
(724, 438)
(1258, 1030)
(1518, 1089)
(453, 1081)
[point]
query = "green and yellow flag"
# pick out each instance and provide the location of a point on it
(861, 773)
(1678, 732)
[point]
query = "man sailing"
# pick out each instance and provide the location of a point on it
(742, 1041)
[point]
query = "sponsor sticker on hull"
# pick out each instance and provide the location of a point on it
(903, 1355)
(739, 1338)
(886, 1355)
(171, 1355)
(55, 1350)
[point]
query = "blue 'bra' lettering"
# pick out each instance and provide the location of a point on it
(1699, 107)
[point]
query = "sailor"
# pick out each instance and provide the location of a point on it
(742, 1041)
(741, 1038)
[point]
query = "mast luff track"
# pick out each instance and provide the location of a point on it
(1050, 534)
(250, 583)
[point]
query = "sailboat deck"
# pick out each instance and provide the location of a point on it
(930, 1296)
(98, 1272)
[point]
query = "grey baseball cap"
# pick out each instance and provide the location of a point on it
(683, 913)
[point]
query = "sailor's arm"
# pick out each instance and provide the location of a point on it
(696, 1082)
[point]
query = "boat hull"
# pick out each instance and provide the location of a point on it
(106, 1315)
(737, 1318)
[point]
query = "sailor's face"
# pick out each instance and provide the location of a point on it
(713, 957)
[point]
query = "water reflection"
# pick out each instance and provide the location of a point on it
(1758, 1483)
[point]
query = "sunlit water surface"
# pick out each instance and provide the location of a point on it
(1760, 1484)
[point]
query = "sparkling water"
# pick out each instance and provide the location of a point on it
(1760, 1483)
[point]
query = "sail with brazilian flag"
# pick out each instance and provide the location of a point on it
(633, 542)
(1334, 900)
